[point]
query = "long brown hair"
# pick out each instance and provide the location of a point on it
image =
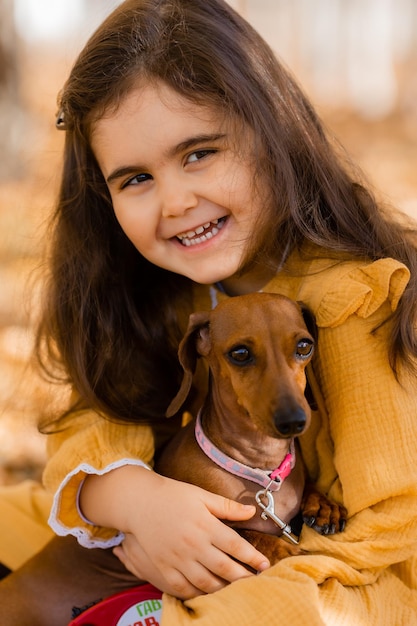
(110, 317)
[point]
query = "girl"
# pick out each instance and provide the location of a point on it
(195, 170)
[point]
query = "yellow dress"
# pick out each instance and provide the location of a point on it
(360, 449)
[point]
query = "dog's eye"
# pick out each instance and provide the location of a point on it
(240, 355)
(304, 349)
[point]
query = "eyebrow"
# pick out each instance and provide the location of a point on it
(183, 146)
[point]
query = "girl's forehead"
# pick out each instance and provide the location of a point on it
(158, 102)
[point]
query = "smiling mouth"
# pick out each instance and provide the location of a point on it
(202, 233)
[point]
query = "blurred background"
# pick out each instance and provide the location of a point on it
(357, 60)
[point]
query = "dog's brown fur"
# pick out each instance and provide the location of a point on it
(245, 409)
(252, 409)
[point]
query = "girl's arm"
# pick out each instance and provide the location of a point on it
(114, 460)
(174, 536)
(87, 444)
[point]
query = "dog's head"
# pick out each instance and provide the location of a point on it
(257, 347)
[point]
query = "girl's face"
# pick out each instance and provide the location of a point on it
(182, 185)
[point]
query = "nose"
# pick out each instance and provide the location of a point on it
(177, 196)
(290, 421)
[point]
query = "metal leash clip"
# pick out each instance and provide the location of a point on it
(268, 511)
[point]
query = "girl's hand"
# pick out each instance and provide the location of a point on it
(174, 536)
(183, 548)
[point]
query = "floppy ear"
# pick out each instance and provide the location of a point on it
(194, 343)
(309, 319)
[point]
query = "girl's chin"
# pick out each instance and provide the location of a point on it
(208, 277)
(205, 280)
(203, 263)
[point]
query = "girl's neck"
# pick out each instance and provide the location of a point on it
(251, 281)
(237, 286)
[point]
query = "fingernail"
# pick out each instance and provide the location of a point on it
(263, 566)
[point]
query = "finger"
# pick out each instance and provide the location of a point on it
(128, 562)
(131, 559)
(230, 570)
(196, 578)
(174, 582)
(230, 510)
(170, 581)
(228, 541)
(121, 555)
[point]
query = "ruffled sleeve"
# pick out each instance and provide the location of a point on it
(89, 444)
(352, 289)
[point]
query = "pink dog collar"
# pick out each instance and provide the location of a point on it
(270, 479)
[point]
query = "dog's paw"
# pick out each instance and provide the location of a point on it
(273, 547)
(319, 513)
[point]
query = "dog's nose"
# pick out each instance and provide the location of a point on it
(290, 421)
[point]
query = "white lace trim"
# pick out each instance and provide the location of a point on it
(83, 535)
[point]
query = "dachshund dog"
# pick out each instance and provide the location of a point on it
(243, 444)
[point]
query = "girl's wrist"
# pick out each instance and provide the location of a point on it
(108, 499)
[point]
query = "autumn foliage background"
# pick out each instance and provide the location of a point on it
(383, 140)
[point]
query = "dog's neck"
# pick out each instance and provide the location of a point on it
(271, 479)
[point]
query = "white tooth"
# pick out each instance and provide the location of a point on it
(209, 235)
(220, 225)
(199, 230)
(215, 221)
(187, 242)
(214, 231)
(190, 234)
(207, 225)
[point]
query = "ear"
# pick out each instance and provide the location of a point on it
(194, 343)
(309, 319)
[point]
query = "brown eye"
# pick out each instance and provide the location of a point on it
(241, 355)
(304, 349)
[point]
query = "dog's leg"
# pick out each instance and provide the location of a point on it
(62, 576)
(276, 548)
(320, 513)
